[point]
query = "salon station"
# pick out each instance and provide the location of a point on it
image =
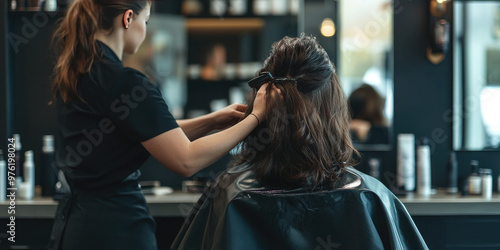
(421, 79)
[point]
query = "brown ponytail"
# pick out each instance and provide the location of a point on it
(75, 39)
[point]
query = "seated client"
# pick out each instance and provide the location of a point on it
(291, 185)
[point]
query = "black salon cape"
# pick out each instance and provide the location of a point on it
(238, 213)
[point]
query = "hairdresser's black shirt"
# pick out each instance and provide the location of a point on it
(99, 141)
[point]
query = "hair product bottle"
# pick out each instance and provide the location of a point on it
(424, 168)
(50, 5)
(29, 175)
(13, 5)
(261, 7)
(452, 174)
(49, 176)
(279, 7)
(487, 182)
(218, 7)
(406, 162)
(237, 7)
(3, 177)
(374, 164)
(17, 158)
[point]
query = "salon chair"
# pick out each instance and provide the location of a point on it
(238, 213)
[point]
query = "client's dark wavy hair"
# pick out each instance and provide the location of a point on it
(305, 140)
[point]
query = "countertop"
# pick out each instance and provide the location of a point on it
(176, 204)
(451, 204)
(179, 204)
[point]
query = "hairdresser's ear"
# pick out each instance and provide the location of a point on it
(127, 18)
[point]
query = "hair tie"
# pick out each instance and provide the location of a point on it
(264, 77)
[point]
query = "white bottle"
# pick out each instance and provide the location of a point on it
(13, 5)
(374, 164)
(3, 177)
(406, 162)
(279, 7)
(237, 7)
(424, 168)
(18, 146)
(261, 7)
(294, 7)
(50, 5)
(29, 175)
(487, 182)
(218, 7)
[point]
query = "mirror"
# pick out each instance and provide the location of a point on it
(161, 57)
(365, 68)
(358, 36)
(476, 84)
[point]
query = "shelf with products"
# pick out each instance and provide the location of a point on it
(36, 5)
(239, 8)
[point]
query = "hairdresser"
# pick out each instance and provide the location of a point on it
(111, 119)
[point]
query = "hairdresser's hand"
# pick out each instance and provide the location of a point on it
(260, 102)
(228, 116)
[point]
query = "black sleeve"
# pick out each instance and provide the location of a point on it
(137, 107)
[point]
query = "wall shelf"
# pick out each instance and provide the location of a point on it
(224, 24)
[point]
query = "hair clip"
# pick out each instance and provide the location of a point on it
(284, 79)
(264, 77)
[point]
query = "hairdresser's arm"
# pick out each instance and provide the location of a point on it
(175, 151)
(200, 126)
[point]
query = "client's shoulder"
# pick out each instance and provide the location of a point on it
(368, 184)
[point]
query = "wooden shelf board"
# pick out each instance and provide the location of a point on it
(224, 24)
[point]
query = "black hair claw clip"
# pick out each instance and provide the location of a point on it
(262, 78)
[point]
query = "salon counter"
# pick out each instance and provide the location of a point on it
(178, 204)
(442, 204)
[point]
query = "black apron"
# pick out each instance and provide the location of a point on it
(111, 218)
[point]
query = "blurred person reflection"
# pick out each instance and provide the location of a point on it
(368, 124)
(142, 60)
(213, 69)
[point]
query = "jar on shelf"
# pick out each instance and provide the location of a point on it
(218, 7)
(261, 7)
(191, 7)
(279, 7)
(237, 7)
